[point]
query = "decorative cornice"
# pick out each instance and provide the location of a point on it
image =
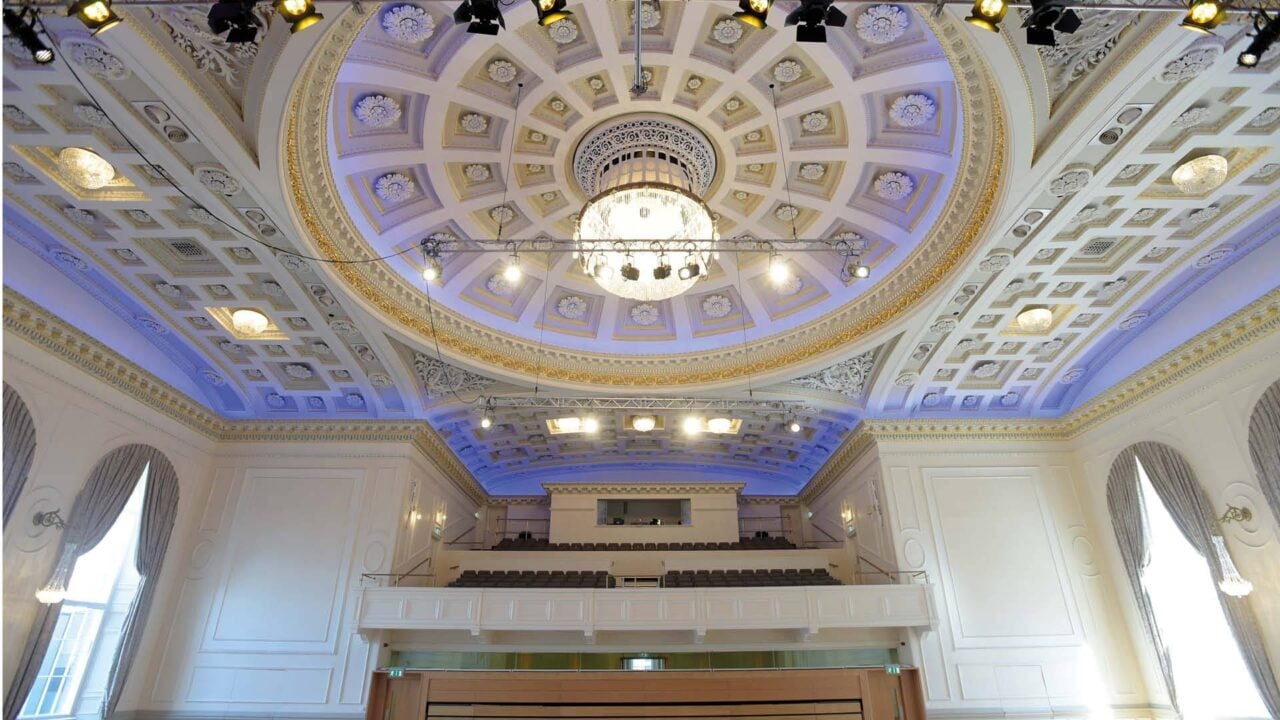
(768, 500)
(1238, 331)
(686, 488)
(507, 500)
(27, 319)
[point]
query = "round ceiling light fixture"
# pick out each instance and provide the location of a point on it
(249, 322)
(1035, 318)
(644, 423)
(1201, 175)
(645, 175)
(85, 168)
(719, 425)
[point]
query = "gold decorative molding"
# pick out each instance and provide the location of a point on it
(1227, 337)
(318, 205)
(25, 318)
(654, 488)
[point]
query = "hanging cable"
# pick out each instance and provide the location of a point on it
(162, 173)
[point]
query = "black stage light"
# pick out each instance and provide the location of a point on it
(1048, 17)
(483, 16)
(812, 19)
(662, 272)
(22, 25)
(1266, 29)
(630, 272)
(236, 19)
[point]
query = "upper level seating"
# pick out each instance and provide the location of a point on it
(746, 578)
(531, 579)
(754, 543)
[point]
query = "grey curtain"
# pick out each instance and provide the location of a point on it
(19, 448)
(1264, 446)
(95, 510)
(159, 511)
(1175, 482)
(1128, 517)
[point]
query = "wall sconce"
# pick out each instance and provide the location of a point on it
(846, 518)
(51, 518)
(1235, 514)
(1232, 583)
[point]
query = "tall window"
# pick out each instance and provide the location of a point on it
(1210, 676)
(73, 677)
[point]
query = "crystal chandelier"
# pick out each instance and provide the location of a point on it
(645, 234)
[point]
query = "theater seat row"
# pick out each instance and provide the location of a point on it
(531, 579)
(748, 578)
(767, 543)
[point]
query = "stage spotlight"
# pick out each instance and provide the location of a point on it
(96, 15)
(1266, 29)
(300, 14)
(22, 26)
(550, 11)
(812, 19)
(987, 14)
(690, 270)
(483, 16)
(754, 12)
(1204, 15)
(630, 272)
(1048, 16)
(236, 19)
(663, 270)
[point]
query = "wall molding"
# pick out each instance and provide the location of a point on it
(27, 319)
(689, 488)
(1238, 331)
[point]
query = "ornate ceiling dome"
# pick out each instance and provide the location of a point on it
(874, 143)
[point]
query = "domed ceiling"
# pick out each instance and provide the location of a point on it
(431, 132)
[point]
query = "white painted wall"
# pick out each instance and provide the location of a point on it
(78, 420)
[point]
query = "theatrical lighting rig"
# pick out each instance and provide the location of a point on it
(483, 17)
(550, 11)
(300, 14)
(236, 19)
(1204, 15)
(1266, 29)
(754, 12)
(96, 15)
(987, 14)
(21, 25)
(812, 18)
(1048, 16)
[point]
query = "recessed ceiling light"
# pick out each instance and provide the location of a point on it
(1035, 318)
(692, 425)
(249, 322)
(643, 423)
(590, 425)
(719, 425)
(85, 168)
(1200, 175)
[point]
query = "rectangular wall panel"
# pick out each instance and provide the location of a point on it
(1000, 561)
(291, 540)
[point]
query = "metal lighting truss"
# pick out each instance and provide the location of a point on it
(648, 403)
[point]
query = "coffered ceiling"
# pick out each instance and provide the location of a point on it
(1036, 177)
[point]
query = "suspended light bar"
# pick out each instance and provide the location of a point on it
(987, 14)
